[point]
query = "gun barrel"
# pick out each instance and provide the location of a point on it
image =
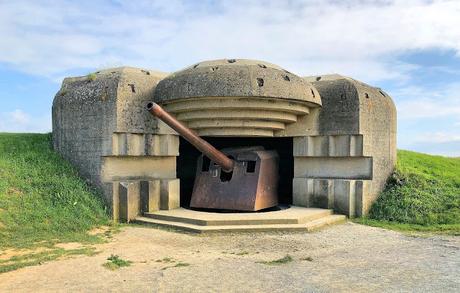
(203, 146)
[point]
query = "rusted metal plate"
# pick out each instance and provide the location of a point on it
(251, 186)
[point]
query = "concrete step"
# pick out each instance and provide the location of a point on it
(292, 215)
(326, 221)
(307, 227)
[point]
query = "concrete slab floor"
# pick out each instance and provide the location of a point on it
(293, 218)
(343, 258)
(291, 215)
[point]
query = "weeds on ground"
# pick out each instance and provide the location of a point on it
(181, 264)
(284, 260)
(166, 260)
(177, 265)
(32, 259)
(171, 260)
(115, 262)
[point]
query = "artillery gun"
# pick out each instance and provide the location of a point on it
(236, 179)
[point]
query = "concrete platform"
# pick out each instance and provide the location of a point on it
(291, 219)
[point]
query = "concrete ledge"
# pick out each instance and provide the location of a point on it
(267, 115)
(162, 145)
(119, 168)
(333, 167)
(138, 144)
(328, 146)
(293, 215)
(255, 103)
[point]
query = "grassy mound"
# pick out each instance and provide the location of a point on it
(422, 194)
(42, 199)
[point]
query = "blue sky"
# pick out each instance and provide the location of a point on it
(409, 48)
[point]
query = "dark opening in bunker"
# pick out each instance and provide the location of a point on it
(188, 156)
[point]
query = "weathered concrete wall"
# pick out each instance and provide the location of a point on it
(343, 151)
(100, 125)
(347, 149)
(84, 118)
(378, 123)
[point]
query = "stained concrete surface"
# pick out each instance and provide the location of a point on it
(101, 126)
(344, 258)
(236, 78)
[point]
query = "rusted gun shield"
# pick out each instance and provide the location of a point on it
(240, 179)
(251, 186)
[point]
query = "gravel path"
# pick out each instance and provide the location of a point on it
(343, 258)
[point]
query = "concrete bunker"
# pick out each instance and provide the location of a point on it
(336, 135)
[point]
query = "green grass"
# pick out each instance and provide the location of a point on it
(31, 259)
(423, 194)
(42, 199)
(115, 262)
(170, 260)
(177, 265)
(284, 260)
(91, 76)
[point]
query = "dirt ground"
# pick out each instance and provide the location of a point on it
(348, 257)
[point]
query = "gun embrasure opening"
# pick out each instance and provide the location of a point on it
(203, 146)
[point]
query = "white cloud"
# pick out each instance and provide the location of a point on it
(415, 102)
(355, 37)
(20, 121)
(438, 137)
(18, 117)
(428, 118)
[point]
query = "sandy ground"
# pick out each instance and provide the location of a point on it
(348, 257)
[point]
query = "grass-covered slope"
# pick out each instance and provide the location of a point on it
(42, 199)
(422, 194)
